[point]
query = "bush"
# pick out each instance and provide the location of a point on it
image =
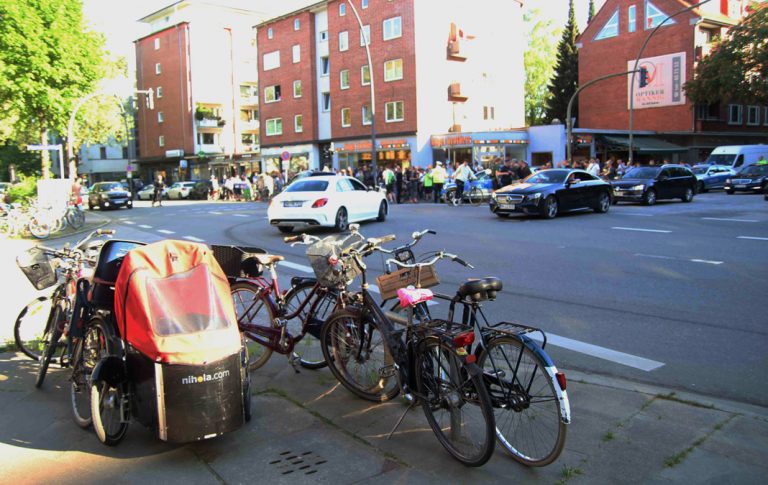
(23, 191)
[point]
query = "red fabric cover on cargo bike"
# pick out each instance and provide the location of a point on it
(173, 304)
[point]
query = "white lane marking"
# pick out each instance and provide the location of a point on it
(672, 258)
(705, 261)
(296, 266)
(129, 222)
(240, 215)
(165, 231)
(637, 215)
(728, 219)
(145, 226)
(655, 256)
(639, 229)
(193, 238)
(604, 353)
(216, 213)
(754, 238)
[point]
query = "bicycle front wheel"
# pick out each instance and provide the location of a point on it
(29, 331)
(525, 403)
(475, 196)
(252, 309)
(89, 350)
(50, 345)
(76, 218)
(359, 357)
(308, 348)
(455, 402)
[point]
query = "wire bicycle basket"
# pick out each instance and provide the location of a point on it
(332, 268)
(37, 266)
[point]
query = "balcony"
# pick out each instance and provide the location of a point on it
(454, 93)
(249, 125)
(210, 148)
(454, 52)
(702, 51)
(210, 123)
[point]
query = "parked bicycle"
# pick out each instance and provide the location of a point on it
(427, 362)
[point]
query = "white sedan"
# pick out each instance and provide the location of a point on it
(326, 201)
(180, 190)
(148, 191)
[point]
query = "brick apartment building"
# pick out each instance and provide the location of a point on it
(200, 61)
(669, 125)
(435, 70)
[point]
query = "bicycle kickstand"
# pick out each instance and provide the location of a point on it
(399, 421)
(293, 359)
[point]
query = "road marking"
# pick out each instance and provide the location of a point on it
(296, 266)
(129, 222)
(728, 219)
(193, 238)
(753, 238)
(240, 215)
(216, 213)
(145, 226)
(638, 229)
(705, 261)
(655, 256)
(165, 231)
(637, 215)
(604, 353)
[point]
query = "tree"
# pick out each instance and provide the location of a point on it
(737, 67)
(539, 61)
(591, 13)
(566, 78)
(48, 60)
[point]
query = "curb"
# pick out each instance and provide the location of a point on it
(98, 225)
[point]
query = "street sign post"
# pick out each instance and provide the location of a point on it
(39, 148)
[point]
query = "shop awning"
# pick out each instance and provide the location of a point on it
(642, 145)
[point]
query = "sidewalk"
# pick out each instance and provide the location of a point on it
(309, 429)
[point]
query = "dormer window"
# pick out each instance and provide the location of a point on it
(610, 29)
(654, 16)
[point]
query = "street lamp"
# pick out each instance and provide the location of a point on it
(635, 70)
(373, 97)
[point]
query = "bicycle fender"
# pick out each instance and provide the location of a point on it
(110, 370)
(551, 370)
(297, 280)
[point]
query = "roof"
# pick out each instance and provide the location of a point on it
(311, 6)
(644, 145)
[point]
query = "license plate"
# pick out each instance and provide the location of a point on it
(507, 206)
(293, 203)
(740, 186)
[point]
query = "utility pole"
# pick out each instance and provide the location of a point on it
(374, 166)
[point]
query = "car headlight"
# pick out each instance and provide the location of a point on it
(105, 196)
(493, 195)
(533, 197)
(638, 187)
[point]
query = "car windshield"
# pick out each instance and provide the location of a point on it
(755, 170)
(308, 185)
(721, 159)
(642, 173)
(700, 170)
(547, 177)
(108, 187)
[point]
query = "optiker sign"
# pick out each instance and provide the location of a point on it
(666, 75)
(216, 376)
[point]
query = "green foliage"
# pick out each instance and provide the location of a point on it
(25, 190)
(591, 13)
(539, 61)
(27, 163)
(737, 67)
(566, 78)
(203, 113)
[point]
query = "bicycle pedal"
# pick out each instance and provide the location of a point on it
(294, 359)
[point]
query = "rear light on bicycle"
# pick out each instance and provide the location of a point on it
(471, 359)
(320, 203)
(560, 376)
(464, 339)
(333, 260)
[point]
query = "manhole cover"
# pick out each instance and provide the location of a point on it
(305, 462)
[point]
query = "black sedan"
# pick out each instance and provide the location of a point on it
(109, 195)
(753, 178)
(649, 184)
(201, 190)
(551, 191)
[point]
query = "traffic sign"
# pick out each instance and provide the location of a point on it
(286, 155)
(129, 168)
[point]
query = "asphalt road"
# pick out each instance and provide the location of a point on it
(673, 294)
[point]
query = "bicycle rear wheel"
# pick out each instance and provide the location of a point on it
(455, 402)
(50, 345)
(528, 417)
(308, 348)
(89, 350)
(475, 196)
(76, 217)
(252, 309)
(29, 331)
(359, 357)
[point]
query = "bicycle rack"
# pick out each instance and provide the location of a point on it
(515, 330)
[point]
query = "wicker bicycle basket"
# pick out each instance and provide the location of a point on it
(321, 253)
(402, 278)
(37, 265)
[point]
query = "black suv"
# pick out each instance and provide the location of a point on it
(109, 195)
(649, 184)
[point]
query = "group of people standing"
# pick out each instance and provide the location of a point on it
(413, 184)
(249, 187)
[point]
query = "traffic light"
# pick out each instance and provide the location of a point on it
(643, 77)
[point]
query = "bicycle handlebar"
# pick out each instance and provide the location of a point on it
(438, 256)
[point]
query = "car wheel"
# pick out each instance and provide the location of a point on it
(285, 229)
(549, 208)
(342, 221)
(730, 192)
(90, 206)
(603, 203)
(688, 196)
(649, 198)
(502, 215)
(382, 212)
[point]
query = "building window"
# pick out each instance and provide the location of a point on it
(346, 117)
(160, 117)
(157, 68)
(343, 41)
(157, 44)
(710, 112)
(342, 9)
(269, 33)
(367, 118)
(493, 113)
(393, 70)
(610, 29)
(489, 113)
(206, 139)
(324, 36)
(274, 126)
(296, 24)
(753, 115)
(365, 76)
(271, 60)
(125, 152)
(298, 124)
(296, 89)
(631, 18)
(326, 102)
(325, 66)
(161, 140)
(364, 3)
(393, 111)
(365, 35)
(734, 114)
(248, 138)
(393, 28)
(249, 115)
(159, 92)
(296, 53)
(654, 16)
(272, 94)
(344, 79)
(103, 152)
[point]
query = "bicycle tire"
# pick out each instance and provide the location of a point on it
(475, 196)
(76, 218)
(468, 404)
(361, 376)
(517, 415)
(38, 229)
(50, 346)
(106, 399)
(307, 346)
(88, 351)
(29, 331)
(243, 296)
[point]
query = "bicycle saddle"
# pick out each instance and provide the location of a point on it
(480, 289)
(267, 259)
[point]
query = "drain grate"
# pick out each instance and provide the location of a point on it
(306, 462)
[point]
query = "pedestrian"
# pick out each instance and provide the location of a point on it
(214, 188)
(413, 184)
(462, 177)
(389, 183)
(523, 170)
(593, 168)
(157, 195)
(398, 183)
(438, 179)
(427, 182)
(505, 174)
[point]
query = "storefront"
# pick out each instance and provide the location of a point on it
(480, 148)
(357, 153)
(293, 159)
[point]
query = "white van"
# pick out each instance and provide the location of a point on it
(738, 156)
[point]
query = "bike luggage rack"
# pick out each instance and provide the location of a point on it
(231, 259)
(515, 329)
(443, 328)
